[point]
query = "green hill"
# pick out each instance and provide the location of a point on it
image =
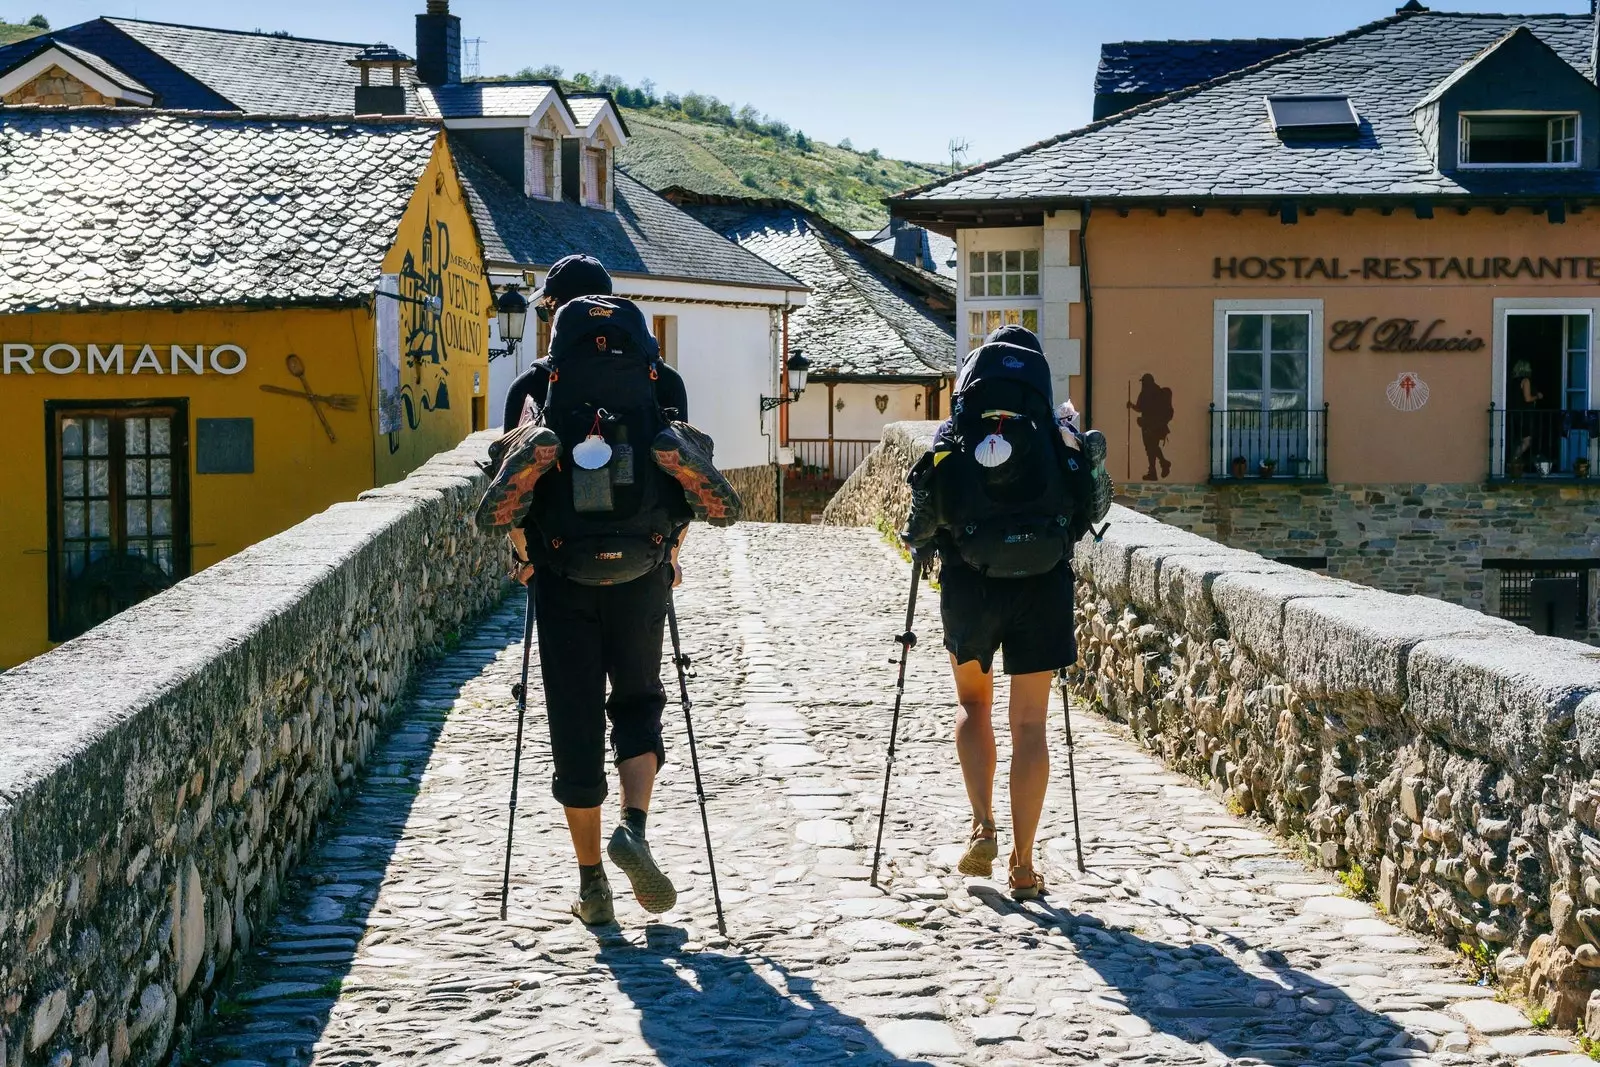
(19, 31)
(701, 143)
(669, 148)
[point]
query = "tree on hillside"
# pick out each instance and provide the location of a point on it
(846, 145)
(39, 22)
(801, 141)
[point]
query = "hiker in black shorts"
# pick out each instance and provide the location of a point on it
(599, 476)
(1002, 496)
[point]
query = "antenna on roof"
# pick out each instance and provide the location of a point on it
(469, 56)
(958, 149)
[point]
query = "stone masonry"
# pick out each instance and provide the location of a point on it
(164, 773)
(1426, 539)
(56, 88)
(758, 490)
(1445, 759)
(1194, 938)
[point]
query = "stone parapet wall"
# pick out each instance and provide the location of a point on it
(876, 493)
(1448, 761)
(1426, 539)
(162, 773)
(758, 491)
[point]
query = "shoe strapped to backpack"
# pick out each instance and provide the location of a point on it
(685, 453)
(516, 463)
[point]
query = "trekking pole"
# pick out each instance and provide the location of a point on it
(1072, 771)
(520, 692)
(682, 663)
(907, 641)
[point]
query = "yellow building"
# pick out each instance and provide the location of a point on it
(212, 327)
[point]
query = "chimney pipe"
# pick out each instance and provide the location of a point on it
(438, 45)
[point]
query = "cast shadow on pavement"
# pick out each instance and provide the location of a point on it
(713, 1009)
(1200, 994)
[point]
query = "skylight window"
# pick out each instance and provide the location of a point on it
(1318, 115)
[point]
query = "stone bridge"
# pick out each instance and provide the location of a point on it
(258, 820)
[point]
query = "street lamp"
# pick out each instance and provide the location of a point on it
(511, 315)
(799, 369)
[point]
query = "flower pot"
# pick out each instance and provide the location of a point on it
(1240, 467)
(1515, 468)
(1302, 466)
(1580, 468)
(1544, 468)
(1268, 468)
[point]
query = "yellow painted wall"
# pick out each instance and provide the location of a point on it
(443, 355)
(1154, 295)
(298, 470)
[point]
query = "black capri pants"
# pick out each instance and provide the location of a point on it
(589, 635)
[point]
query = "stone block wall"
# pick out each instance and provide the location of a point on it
(162, 773)
(1426, 539)
(1447, 760)
(56, 88)
(758, 489)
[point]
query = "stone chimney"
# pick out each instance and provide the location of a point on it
(438, 45)
(381, 99)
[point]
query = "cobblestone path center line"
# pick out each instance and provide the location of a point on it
(1195, 938)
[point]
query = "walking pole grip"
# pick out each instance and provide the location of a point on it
(1072, 771)
(520, 692)
(907, 641)
(681, 661)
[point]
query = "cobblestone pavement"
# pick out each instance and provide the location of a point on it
(1194, 938)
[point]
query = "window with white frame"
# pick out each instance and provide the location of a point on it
(1267, 418)
(981, 323)
(1519, 139)
(1012, 272)
(596, 176)
(541, 168)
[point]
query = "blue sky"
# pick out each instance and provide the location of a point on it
(903, 77)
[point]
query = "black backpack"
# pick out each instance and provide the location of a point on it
(1013, 519)
(612, 523)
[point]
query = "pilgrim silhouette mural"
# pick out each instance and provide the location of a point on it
(1154, 405)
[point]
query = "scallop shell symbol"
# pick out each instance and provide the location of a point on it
(1407, 392)
(992, 451)
(592, 453)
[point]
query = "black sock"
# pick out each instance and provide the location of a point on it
(633, 819)
(588, 876)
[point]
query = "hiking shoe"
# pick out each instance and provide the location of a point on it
(517, 460)
(685, 453)
(982, 848)
(631, 853)
(594, 906)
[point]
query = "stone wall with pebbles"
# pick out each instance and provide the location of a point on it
(1449, 761)
(163, 772)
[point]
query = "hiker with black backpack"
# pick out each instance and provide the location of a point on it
(1007, 489)
(596, 481)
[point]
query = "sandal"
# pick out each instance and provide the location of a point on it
(982, 848)
(1026, 884)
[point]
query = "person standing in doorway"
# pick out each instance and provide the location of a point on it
(600, 542)
(1002, 498)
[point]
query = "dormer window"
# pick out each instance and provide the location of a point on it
(1519, 139)
(597, 177)
(540, 169)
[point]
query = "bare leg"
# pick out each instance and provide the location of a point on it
(584, 825)
(975, 736)
(1030, 760)
(638, 774)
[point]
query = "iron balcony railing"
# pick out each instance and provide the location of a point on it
(1543, 444)
(1279, 445)
(828, 458)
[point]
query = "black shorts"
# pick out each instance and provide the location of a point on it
(589, 636)
(1028, 619)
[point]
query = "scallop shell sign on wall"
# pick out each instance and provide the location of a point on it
(1407, 392)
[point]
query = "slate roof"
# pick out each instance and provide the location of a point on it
(1215, 140)
(585, 106)
(858, 322)
(644, 235)
(1161, 67)
(203, 69)
(938, 251)
(130, 207)
(486, 99)
(100, 66)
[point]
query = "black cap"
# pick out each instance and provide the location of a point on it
(574, 276)
(1015, 335)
